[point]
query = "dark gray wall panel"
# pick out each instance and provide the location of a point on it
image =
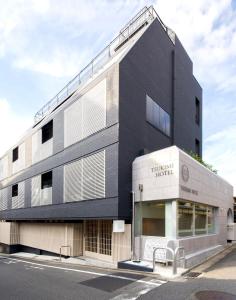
(102, 208)
(58, 185)
(149, 69)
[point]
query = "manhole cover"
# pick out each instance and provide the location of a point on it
(192, 274)
(213, 295)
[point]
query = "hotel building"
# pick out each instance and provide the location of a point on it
(67, 185)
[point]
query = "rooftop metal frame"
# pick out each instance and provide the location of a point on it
(141, 19)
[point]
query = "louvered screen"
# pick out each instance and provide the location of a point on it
(46, 196)
(4, 167)
(35, 190)
(40, 151)
(86, 116)
(73, 181)
(19, 201)
(85, 178)
(94, 176)
(94, 109)
(3, 198)
(73, 123)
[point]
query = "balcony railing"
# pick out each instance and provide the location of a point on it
(143, 18)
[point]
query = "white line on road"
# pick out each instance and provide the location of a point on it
(156, 283)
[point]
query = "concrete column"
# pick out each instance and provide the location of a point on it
(171, 219)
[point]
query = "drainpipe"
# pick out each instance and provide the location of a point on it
(133, 254)
(140, 221)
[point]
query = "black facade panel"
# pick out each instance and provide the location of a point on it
(157, 68)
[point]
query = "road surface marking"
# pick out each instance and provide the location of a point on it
(156, 283)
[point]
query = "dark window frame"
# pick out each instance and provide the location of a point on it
(197, 147)
(46, 180)
(197, 111)
(158, 117)
(47, 132)
(15, 154)
(14, 190)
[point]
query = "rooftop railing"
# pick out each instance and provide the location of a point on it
(143, 18)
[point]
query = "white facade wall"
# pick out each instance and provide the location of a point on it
(170, 175)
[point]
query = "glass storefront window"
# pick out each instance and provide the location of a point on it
(200, 219)
(185, 218)
(195, 219)
(153, 219)
(210, 215)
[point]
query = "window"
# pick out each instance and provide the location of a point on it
(153, 219)
(15, 154)
(47, 131)
(46, 180)
(14, 190)
(195, 219)
(200, 219)
(197, 147)
(197, 111)
(185, 218)
(157, 116)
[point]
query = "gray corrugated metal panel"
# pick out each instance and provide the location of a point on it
(57, 186)
(94, 176)
(28, 185)
(21, 194)
(4, 199)
(73, 181)
(101, 208)
(98, 141)
(85, 116)
(111, 171)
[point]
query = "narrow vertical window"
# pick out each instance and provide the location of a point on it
(47, 131)
(197, 111)
(197, 147)
(15, 154)
(14, 190)
(46, 180)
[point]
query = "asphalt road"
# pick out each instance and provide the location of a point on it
(220, 277)
(26, 280)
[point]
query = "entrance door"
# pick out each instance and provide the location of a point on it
(98, 239)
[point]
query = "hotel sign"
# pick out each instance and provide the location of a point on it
(163, 170)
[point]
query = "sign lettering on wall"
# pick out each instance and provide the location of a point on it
(163, 170)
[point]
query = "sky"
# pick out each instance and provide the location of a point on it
(44, 44)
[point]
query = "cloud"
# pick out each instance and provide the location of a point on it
(12, 126)
(221, 155)
(58, 38)
(207, 31)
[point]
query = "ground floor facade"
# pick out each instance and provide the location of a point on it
(179, 203)
(87, 238)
